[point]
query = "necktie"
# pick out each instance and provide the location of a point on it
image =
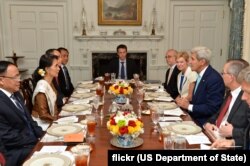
(169, 74)
(66, 76)
(17, 103)
(181, 82)
(197, 83)
(122, 71)
(20, 107)
(223, 110)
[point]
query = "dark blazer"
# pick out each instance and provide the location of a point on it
(60, 96)
(171, 87)
(237, 117)
(62, 82)
(14, 131)
(208, 97)
(247, 138)
(131, 67)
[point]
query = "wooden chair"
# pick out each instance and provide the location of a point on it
(27, 89)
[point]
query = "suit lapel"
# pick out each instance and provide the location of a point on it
(202, 83)
(235, 107)
(8, 101)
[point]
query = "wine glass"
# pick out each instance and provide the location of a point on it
(155, 118)
(139, 98)
(95, 103)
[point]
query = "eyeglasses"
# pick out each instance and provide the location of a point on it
(17, 78)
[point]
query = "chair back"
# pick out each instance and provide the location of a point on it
(27, 89)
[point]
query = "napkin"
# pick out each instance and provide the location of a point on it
(70, 119)
(170, 118)
(164, 98)
(174, 112)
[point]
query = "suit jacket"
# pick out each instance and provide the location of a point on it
(14, 131)
(131, 67)
(237, 117)
(171, 87)
(208, 97)
(60, 96)
(62, 82)
(247, 138)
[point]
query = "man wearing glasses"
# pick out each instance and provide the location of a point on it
(18, 132)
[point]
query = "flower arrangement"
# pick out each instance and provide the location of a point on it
(125, 123)
(41, 72)
(120, 88)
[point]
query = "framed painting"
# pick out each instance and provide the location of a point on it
(119, 12)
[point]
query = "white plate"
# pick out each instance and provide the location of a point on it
(158, 94)
(184, 128)
(75, 107)
(166, 106)
(82, 95)
(64, 129)
(87, 86)
(48, 159)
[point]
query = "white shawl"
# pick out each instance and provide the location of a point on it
(44, 87)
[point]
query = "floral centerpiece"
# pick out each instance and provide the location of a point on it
(125, 126)
(120, 89)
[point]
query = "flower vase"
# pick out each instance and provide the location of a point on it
(125, 140)
(120, 99)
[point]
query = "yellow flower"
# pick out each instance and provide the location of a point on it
(41, 72)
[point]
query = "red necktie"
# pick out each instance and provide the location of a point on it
(2, 160)
(223, 110)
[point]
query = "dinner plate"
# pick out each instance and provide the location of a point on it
(63, 129)
(137, 142)
(158, 94)
(184, 128)
(82, 95)
(75, 107)
(48, 159)
(166, 106)
(87, 86)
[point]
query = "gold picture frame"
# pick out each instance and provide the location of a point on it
(120, 12)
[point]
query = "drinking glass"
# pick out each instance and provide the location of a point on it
(113, 75)
(96, 103)
(155, 118)
(140, 97)
(82, 155)
(91, 124)
(179, 143)
(168, 142)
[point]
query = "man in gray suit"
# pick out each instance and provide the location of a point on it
(232, 122)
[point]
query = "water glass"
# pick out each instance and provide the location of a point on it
(168, 142)
(113, 75)
(179, 143)
(82, 155)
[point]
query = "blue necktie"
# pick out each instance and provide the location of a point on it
(182, 78)
(122, 71)
(197, 83)
(20, 107)
(66, 75)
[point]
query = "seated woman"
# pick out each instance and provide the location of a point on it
(44, 97)
(186, 78)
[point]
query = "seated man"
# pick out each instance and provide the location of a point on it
(18, 132)
(209, 87)
(63, 76)
(244, 78)
(122, 66)
(231, 120)
(172, 74)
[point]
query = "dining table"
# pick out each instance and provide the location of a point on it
(101, 143)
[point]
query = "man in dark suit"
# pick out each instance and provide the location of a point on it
(244, 79)
(172, 73)
(232, 122)
(209, 88)
(123, 67)
(18, 132)
(63, 76)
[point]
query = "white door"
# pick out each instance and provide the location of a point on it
(196, 25)
(34, 30)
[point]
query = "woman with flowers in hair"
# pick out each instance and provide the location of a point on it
(44, 97)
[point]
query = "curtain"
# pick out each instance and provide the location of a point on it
(236, 29)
